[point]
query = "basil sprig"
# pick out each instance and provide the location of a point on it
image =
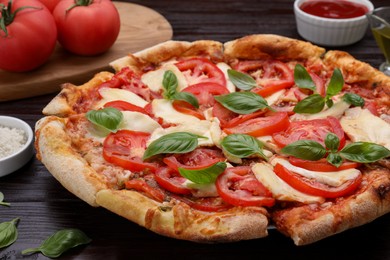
(354, 99)
(204, 176)
(109, 118)
(2, 200)
(302, 78)
(242, 146)
(362, 152)
(59, 242)
(242, 102)
(8, 232)
(170, 84)
(241, 80)
(179, 142)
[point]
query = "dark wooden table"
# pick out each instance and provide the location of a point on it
(44, 206)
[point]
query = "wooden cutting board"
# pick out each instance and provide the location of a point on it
(141, 27)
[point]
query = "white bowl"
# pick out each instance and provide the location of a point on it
(16, 160)
(328, 31)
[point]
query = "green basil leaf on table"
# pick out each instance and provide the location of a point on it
(305, 149)
(59, 242)
(8, 232)
(242, 102)
(205, 175)
(364, 152)
(2, 200)
(179, 142)
(241, 80)
(354, 99)
(109, 118)
(336, 83)
(302, 78)
(242, 146)
(310, 105)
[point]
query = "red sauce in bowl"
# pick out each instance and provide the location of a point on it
(335, 9)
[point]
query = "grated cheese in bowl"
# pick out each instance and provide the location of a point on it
(11, 140)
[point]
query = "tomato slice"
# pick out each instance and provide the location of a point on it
(201, 70)
(197, 159)
(238, 186)
(315, 188)
(223, 114)
(187, 108)
(209, 204)
(125, 106)
(125, 148)
(261, 126)
(270, 75)
(315, 130)
(142, 185)
(205, 92)
(321, 165)
(171, 180)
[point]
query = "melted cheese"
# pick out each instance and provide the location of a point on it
(164, 109)
(273, 98)
(202, 190)
(334, 179)
(362, 126)
(337, 110)
(224, 68)
(112, 94)
(279, 188)
(136, 121)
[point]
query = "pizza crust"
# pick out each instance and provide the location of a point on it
(308, 224)
(181, 222)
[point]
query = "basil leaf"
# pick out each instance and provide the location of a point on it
(336, 83)
(170, 84)
(8, 232)
(332, 142)
(242, 102)
(109, 118)
(310, 105)
(187, 97)
(2, 200)
(334, 159)
(179, 142)
(354, 99)
(242, 146)
(364, 152)
(302, 78)
(241, 80)
(305, 149)
(205, 175)
(329, 102)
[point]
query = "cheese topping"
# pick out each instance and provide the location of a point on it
(362, 126)
(202, 190)
(279, 188)
(137, 121)
(334, 179)
(163, 108)
(112, 94)
(224, 68)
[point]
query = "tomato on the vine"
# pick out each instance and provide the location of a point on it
(87, 27)
(28, 35)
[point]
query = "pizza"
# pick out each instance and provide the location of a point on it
(217, 142)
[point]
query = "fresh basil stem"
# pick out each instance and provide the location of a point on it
(59, 242)
(241, 80)
(179, 142)
(242, 146)
(242, 102)
(170, 84)
(204, 176)
(109, 118)
(8, 232)
(2, 200)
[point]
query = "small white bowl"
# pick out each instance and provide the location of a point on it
(13, 162)
(329, 32)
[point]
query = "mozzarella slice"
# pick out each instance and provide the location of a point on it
(136, 121)
(224, 68)
(112, 94)
(273, 98)
(279, 188)
(334, 179)
(202, 190)
(337, 110)
(362, 126)
(154, 79)
(163, 108)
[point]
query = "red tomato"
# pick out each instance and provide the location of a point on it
(239, 187)
(197, 159)
(125, 148)
(50, 4)
(29, 38)
(142, 185)
(315, 130)
(270, 75)
(318, 82)
(205, 92)
(201, 70)
(315, 188)
(171, 180)
(87, 29)
(321, 165)
(186, 108)
(261, 126)
(223, 114)
(125, 106)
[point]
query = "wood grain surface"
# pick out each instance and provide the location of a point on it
(141, 27)
(44, 206)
